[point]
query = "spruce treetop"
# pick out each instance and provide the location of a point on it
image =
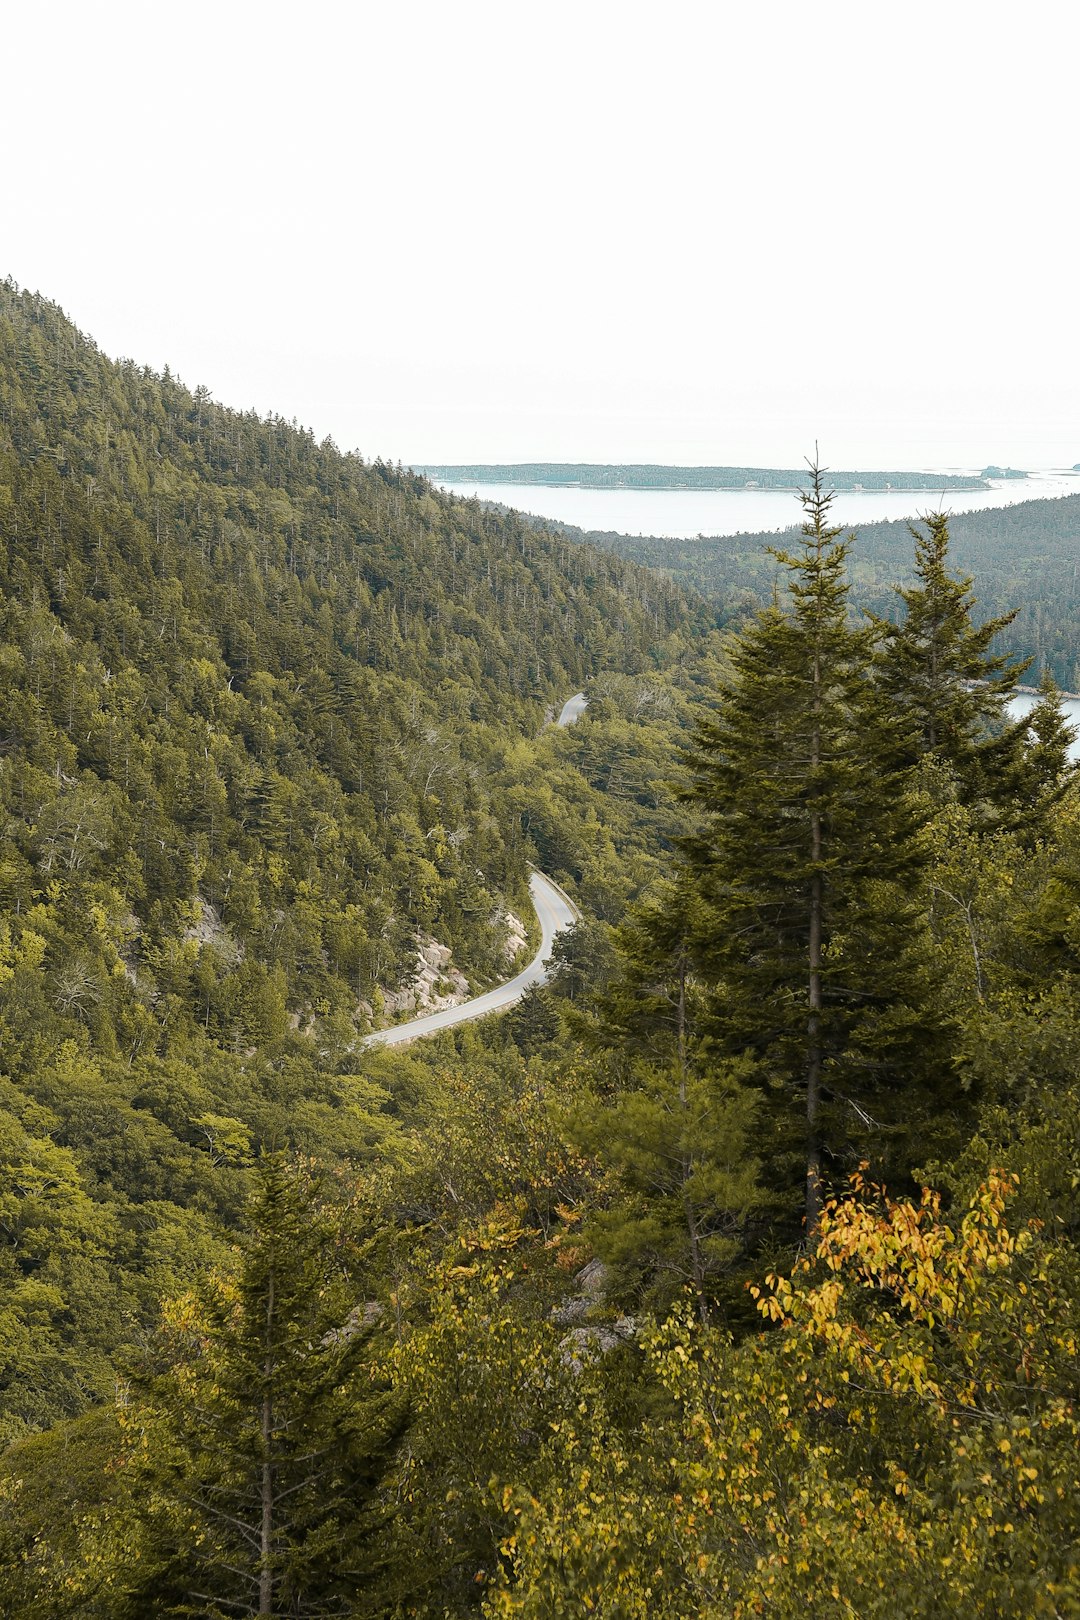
(937, 668)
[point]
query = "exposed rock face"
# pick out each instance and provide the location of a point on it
(434, 985)
(208, 929)
(516, 937)
(588, 1340)
(592, 1281)
(359, 1319)
(584, 1345)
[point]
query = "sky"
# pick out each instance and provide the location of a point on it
(691, 233)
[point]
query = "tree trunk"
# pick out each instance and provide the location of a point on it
(813, 1022)
(266, 1529)
(697, 1268)
(813, 1057)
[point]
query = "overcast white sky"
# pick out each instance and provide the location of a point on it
(590, 231)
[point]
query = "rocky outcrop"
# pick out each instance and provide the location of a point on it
(434, 984)
(516, 937)
(589, 1336)
(583, 1345)
(207, 928)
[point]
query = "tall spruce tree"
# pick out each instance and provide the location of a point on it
(1041, 774)
(937, 669)
(678, 1131)
(806, 858)
(268, 1434)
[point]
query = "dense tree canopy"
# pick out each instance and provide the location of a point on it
(524, 1319)
(1023, 558)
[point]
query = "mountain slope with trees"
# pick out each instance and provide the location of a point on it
(265, 681)
(1023, 558)
(599, 1307)
(268, 714)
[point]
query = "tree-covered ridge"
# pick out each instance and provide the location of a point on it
(1023, 558)
(261, 709)
(636, 475)
(254, 686)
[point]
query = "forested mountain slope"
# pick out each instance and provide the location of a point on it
(246, 672)
(1023, 557)
(262, 706)
(562, 1312)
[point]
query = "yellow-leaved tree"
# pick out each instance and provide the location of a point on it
(903, 1443)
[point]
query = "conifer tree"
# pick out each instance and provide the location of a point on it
(1042, 773)
(270, 1436)
(679, 1130)
(680, 1138)
(937, 668)
(651, 1008)
(809, 845)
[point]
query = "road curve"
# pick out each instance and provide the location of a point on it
(573, 709)
(556, 913)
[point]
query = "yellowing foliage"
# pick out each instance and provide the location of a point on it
(902, 1444)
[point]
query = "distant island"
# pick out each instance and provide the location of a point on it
(585, 475)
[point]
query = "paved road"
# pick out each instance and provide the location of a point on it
(573, 709)
(555, 913)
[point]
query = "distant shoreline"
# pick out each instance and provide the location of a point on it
(646, 478)
(1033, 691)
(700, 489)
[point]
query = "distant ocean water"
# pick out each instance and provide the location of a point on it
(680, 514)
(1024, 703)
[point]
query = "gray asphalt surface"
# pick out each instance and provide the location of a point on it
(573, 709)
(555, 913)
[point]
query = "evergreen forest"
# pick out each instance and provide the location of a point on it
(735, 1270)
(1024, 558)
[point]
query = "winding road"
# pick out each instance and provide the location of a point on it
(555, 912)
(573, 709)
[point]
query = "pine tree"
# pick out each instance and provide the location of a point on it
(1042, 774)
(809, 847)
(936, 667)
(680, 1139)
(534, 1022)
(271, 1438)
(678, 1131)
(651, 1007)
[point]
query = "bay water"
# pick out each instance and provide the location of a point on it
(1024, 702)
(681, 514)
